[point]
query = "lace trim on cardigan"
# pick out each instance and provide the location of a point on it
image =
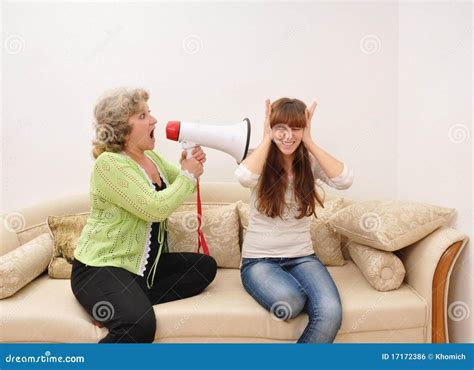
(147, 249)
(146, 253)
(189, 175)
(161, 232)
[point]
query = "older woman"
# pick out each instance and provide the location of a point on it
(122, 266)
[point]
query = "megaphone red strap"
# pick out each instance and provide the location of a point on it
(201, 240)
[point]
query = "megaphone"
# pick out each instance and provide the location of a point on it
(232, 139)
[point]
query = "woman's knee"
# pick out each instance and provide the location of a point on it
(329, 312)
(131, 322)
(283, 303)
(207, 266)
(288, 307)
(273, 289)
(143, 330)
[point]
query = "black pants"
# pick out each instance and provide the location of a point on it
(121, 301)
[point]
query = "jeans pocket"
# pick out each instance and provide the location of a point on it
(245, 262)
(249, 261)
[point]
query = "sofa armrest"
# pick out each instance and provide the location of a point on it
(24, 264)
(428, 265)
(8, 237)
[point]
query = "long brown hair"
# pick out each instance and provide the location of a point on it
(274, 179)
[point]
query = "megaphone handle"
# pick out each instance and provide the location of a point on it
(201, 240)
(188, 146)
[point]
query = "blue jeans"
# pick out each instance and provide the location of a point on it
(287, 286)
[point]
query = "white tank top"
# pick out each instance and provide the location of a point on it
(286, 236)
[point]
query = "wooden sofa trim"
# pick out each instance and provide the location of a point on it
(440, 279)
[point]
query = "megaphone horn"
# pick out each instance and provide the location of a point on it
(232, 139)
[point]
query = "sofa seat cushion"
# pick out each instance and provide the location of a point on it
(46, 311)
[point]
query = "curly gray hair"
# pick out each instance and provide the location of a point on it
(112, 113)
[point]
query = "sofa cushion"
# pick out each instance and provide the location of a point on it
(192, 206)
(46, 311)
(389, 224)
(65, 231)
(220, 225)
(8, 236)
(326, 242)
(23, 264)
(24, 236)
(383, 270)
(215, 313)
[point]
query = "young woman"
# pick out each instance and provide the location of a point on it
(279, 268)
(121, 268)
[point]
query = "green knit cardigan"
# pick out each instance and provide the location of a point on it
(124, 203)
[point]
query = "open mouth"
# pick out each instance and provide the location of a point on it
(152, 134)
(288, 143)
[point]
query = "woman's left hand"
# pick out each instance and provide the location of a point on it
(307, 139)
(197, 153)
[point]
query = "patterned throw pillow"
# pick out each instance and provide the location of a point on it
(389, 225)
(326, 242)
(383, 270)
(191, 206)
(32, 232)
(65, 231)
(220, 225)
(23, 264)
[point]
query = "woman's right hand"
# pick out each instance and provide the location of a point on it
(255, 161)
(266, 125)
(191, 165)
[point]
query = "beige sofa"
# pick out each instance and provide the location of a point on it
(46, 311)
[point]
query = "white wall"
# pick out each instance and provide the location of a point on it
(390, 80)
(434, 131)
